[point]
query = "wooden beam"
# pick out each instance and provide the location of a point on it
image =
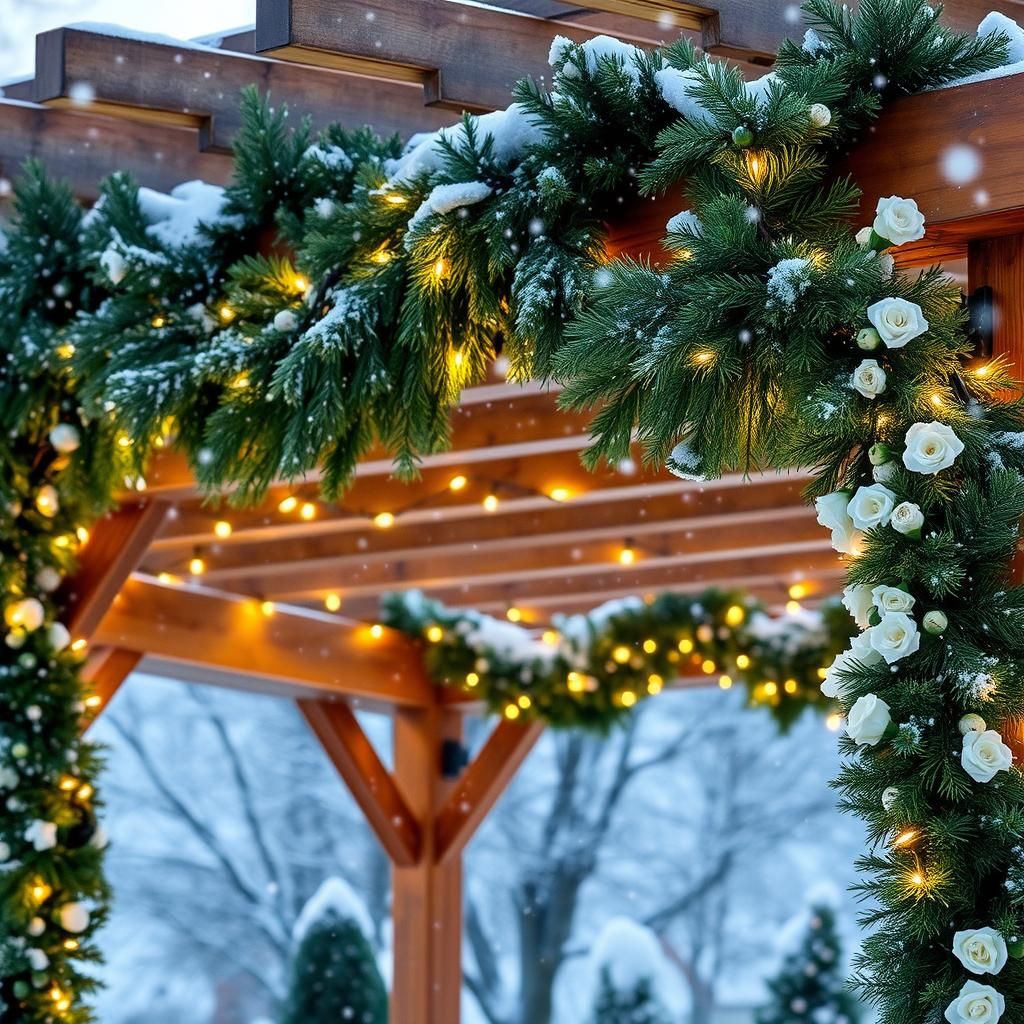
(480, 786)
(195, 86)
(115, 547)
(82, 148)
(292, 652)
(336, 727)
(105, 670)
(427, 897)
(466, 56)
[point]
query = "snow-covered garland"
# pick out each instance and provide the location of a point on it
(343, 290)
(590, 670)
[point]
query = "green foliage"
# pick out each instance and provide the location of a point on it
(334, 977)
(639, 1005)
(810, 984)
(591, 669)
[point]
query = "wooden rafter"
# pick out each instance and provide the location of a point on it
(199, 87)
(106, 669)
(336, 727)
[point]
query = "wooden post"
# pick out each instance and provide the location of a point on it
(999, 263)
(427, 897)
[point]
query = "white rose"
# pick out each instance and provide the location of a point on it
(976, 1004)
(65, 438)
(931, 448)
(906, 517)
(868, 379)
(971, 723)
(74, 918)
(832, 514)
(48, 579)
(286, 321)
(863, 237)
(58, 636)
(980, 950)
(38, 960)
(871, 506)
(821, 116)
(984, 755)
(886, 264)
(895, 636)
(892, 599)
(868, 720)
(8, 777)
(898, 220)
(860, 654)
(5, 853)
(27, 614)
(42, 835)
(859, 602)
(897, 321)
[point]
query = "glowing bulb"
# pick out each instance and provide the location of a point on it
(725, 682)
(85, 792)
(167, 578)
(686, 645)
(742, 661)
(983, 371)
(382, 255)
(792, 607)
(834, 721)
(300, 283)
(790, 686)
(628, 698)
(308, 511)
(621, 654)
(457, 483)
(708, 666)
(905, 838)
(756, 166)
(332, 602)
(524, 702)
(395, 199)
(241, 382)
(576, 682)
(441, 268)
(917, 879)
(771, 688)
(227, 314)
(559, 494)
(550, 637)
(514, 614)
(267, 607)
(82, 534)
(376, 631)
(71, 945)
(490, 503)
(704, 357)
(289, 504)
(511, 712)
(472, 679)
(383, 520)
(80, 644)
(655, 683)
(93, 701)
(735, 614)
(222, 528)
(798, 591)
(197, 566)
(627, 556)
(40, 891)
(650, 646)
(68, 783)
(435, 634)
(158, 321)
(936, 400)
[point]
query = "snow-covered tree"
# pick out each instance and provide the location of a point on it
(334, 974)
(811, 984)
(628, 962)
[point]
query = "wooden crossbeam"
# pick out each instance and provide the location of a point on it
(195, 633)
(106, 669)
(114, 549)
(195, 86)
(467, 56)
(336, 727)
(82, 148)
(478, 788)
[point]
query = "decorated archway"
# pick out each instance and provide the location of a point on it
(327, 311)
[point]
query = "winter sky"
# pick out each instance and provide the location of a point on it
(22, 20)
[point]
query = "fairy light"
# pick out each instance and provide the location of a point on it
(792, 607)
(513, 614)
(168, 579)
(725, 682)
(790, 686)
(79, 645)
(472, 679)
(85, 792)
(457, 483)
(376, 631)
(441, 268)
(703, 357)
(771, 688)
(383, 520)
(511, 712)
(268, 608)
(798, 591)
(332, 602)
(628, 698)
(550, 637)
(756, 166)
(708, 666)
(627, 556)
(742, 661)
(196, 565)
(435, 634)
(576, 682)
(834, 721)
(906, 838)
(395, 199)
(71, 945)
(308, 511)
(686, 645)
(735, 614)
(490, 503)
(222, 528)
(93, 701)
(82, 534)
(158, 321)
(936, 400)
(621, 654)
(982, 371)
(559, 494)
(655, 684)
(289, 504)
(382, 255)
(226, 313)
(300, 283)
(524, 702)
(241, 382)
(650, 646)
(40, 891)
(68, 783)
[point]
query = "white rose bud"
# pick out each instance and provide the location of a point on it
(868, 720)
(907, 518)
(984, 754)
(898, 220)
(48, 579)
(833, 515)
(8, 777)
(863, 238)
(27, 614)
(889, 797)
(879, 454)
(897, 321)
(100, 839)
(886, 264)
(868, 339)
(36, 927)
(65, 438)
(5, 852)
(861, 653)
(931, 448)
(821, 116)
(892, 599)
(871, 506)
(885, 473)
(74, 918)
(42, 835)
(935, 622)
(868, 379)
(980, 950)
(859, 602)
(114, 264)
(895, 637)
(972, 723)
(286, 321)
(976, 1004)
(38, 960)
(58, 636)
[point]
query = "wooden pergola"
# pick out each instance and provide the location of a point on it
(507, 518)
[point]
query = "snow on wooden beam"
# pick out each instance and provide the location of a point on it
(164, 81)
(198, 634)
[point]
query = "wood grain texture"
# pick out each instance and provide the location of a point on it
(200, 88)
(353, 755)
(290, 652)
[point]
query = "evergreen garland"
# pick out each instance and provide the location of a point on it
(590, 670)
(810, 985)
(341, 293)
